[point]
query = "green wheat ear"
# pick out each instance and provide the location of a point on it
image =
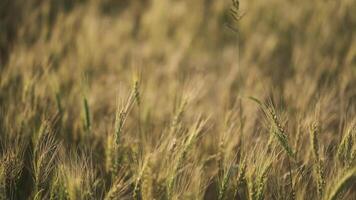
(318, 165)
(262, 180)
(241, 177)
(224, 183)
(277, 129)
(87, 123)
(58, 103)
(344, 151)
(315, 130)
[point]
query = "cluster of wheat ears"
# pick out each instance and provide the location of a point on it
(154, 103)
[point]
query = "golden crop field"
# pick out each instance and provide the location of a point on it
(177, 99)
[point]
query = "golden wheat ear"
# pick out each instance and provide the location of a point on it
(120, 186)
(11, 168)
(45, 159)
(346, 181)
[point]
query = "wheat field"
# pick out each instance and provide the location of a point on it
(177, 99)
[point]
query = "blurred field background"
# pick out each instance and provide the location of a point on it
(176, 99)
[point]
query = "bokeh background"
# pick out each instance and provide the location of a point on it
(53, 54)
